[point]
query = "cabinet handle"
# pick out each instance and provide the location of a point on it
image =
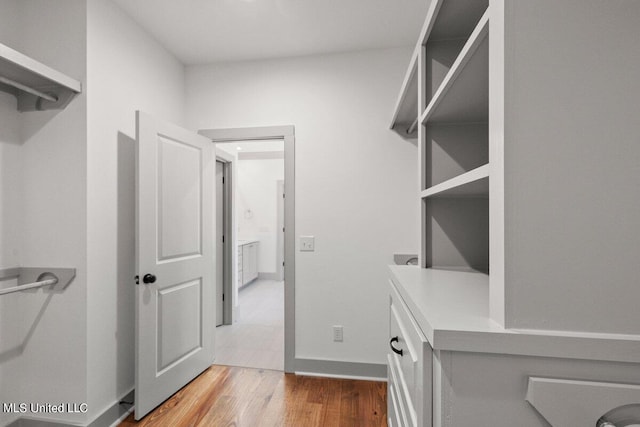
(395, 350)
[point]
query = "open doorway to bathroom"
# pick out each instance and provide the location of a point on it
(253, 335)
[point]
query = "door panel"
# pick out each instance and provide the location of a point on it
(175, 243)
(180, 199)
(179, 322)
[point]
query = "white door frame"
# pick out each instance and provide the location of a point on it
(280, 231)
(286, 133)
(230, 255)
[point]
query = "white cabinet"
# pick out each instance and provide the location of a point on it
(459, 368)
(247, 262)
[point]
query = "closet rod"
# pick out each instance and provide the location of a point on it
(33, 285)
(28, 89)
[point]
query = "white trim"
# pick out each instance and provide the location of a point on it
(261, 155)
(342, 377)
(286, 133)
(231, 257)
(341, 369)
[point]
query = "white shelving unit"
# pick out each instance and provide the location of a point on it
(453, 135)
(529, 227)
(35, 85)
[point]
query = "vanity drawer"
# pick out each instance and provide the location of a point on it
(410, 363)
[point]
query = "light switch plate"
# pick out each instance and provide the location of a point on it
(307, 243)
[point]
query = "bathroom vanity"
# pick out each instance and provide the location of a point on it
(247, 261)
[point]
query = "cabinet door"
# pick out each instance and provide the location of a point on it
(246, 264)
(240, 267)
(253, 250)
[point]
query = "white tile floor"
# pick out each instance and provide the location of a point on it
(256, 340)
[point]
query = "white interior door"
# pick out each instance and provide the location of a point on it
(175, 259)
(219, 243)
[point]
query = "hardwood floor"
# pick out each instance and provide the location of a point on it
(230, 396)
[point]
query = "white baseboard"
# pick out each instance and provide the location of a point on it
(341, 369)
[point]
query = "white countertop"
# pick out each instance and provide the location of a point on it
(452, 309)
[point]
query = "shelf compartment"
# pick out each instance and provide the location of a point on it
(474, 183)
(453, 149)
(35, 85)
(456, 233)
(456, 19)
(463, 95)
(440, 55)
(405, 116)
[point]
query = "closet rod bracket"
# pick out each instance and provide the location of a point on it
(29, 275)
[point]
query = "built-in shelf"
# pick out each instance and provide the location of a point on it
(35, 85)
(463, 95)
(474, 183)
(446, 22)
(405, 117)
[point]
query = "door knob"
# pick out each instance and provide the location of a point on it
(148, 278)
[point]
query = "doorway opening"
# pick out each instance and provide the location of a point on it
(255, 246)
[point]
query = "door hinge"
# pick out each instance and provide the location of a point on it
(222, 297)
(283, 229)
(283, 195)
(137, 279)
(223, 238)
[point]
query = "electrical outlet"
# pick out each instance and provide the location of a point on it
(337, 333)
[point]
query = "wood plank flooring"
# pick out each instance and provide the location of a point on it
(229, 396)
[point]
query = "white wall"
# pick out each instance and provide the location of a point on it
(10, 185)
(127, 71)
(572, 231)
(43, 200)
(10, 194)
(355, 181)
(257, 192)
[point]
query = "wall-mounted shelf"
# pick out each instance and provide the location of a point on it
(474, 183)
(35, 85)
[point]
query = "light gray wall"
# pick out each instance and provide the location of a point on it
(42, 357)
(127, 70)
(572, 165)
(355, 181)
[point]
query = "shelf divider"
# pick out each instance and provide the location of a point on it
(474, 183)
